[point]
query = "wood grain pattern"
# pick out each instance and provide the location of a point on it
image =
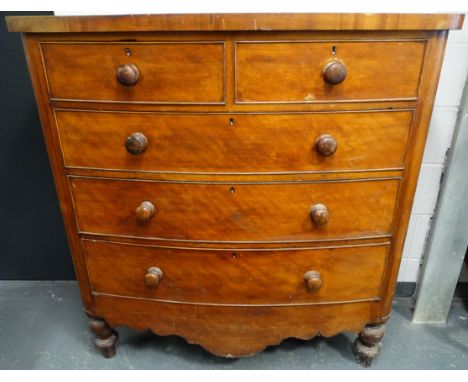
(234, 246)
(46, 116)
(235, 212)
(169, 72)
(230, 107)
(232, 199)
(292, 71)
(236, 331)
(234, 22)
(234, 143)
(272, 177)
(236, 277)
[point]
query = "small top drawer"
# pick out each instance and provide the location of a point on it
(167, 72)
(308, 71)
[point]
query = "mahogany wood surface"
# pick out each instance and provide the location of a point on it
(235, 22)
(248, 177)
(168, 72)
(241, 277)
(235, 212)
(233, 143)
(375, 70)
(217, 183)
(236, 331)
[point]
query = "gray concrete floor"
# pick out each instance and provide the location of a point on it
(42, 327)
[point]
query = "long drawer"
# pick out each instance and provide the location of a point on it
(296, 71)
(223, 143)
(164, 72)
(242, 277)
(235, 212)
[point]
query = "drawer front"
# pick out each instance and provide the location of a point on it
(167, 72)
(237, 212)
(234, 143)
(242, 277)
(294, 71)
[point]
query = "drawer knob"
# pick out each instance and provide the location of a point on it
(153, 277)
(334, 72)
(127, 75)
(145, 211)
(326, 145)
(312, 280)
(136, 143)
(319, 213)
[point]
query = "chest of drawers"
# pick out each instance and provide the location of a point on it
(236, 179)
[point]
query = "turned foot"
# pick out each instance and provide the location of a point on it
(367, 345)
(106, 337)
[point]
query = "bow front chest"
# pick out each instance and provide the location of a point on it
(236, 179)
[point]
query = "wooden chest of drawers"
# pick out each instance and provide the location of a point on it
(236, 179)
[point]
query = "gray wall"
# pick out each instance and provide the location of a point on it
(33, 244)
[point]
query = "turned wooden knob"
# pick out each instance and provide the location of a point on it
(127, 75)
(145, 211)
(319, 214)
(326, 145)
(312, 280)
(136, 143)
(153, 277)
(334, 72)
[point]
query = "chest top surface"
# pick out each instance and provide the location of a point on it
(233, 22)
